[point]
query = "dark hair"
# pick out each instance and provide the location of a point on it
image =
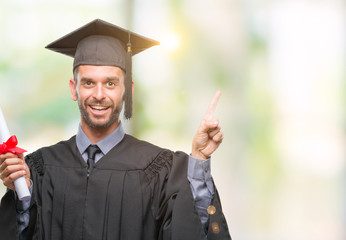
(75, 73)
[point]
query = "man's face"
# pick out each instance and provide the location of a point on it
(99, 91)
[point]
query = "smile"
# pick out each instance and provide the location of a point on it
(98, 109)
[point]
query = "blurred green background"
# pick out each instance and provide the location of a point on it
(279, 63)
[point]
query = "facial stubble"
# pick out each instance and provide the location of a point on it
(114, 116)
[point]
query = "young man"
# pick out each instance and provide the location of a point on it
(103, 183)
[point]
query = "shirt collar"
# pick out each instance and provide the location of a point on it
(106, 144)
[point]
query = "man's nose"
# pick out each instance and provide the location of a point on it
(99, 92)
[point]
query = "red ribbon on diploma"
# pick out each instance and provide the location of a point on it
(11, 146)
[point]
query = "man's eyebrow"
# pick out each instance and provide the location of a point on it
(85, 79)
(113, 79)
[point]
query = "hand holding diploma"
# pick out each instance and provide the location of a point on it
(14, 172)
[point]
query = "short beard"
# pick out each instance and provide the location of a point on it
(115, 114)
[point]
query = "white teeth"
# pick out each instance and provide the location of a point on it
(98, 107)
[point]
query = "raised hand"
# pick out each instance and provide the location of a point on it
(208, 136)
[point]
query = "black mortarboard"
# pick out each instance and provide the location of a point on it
(103, 43)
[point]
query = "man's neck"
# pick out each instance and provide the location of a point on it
(97, 134)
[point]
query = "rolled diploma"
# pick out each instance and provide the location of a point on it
(20, 183)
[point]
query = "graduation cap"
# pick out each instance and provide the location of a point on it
(103, 43)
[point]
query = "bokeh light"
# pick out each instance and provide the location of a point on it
(171, 41)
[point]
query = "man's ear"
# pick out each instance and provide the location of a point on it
(72, 85)
(133, 86)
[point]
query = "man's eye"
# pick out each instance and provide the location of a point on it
(88, 83)
(110, 84)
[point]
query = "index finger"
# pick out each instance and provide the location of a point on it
(212, 105)
(4, 156)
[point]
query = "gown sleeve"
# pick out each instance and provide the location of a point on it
(173, 204)
(8, 213)
(8, 216)
(35, 163)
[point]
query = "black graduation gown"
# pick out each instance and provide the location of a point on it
(136, 191)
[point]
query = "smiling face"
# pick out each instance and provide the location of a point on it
(99, 91)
